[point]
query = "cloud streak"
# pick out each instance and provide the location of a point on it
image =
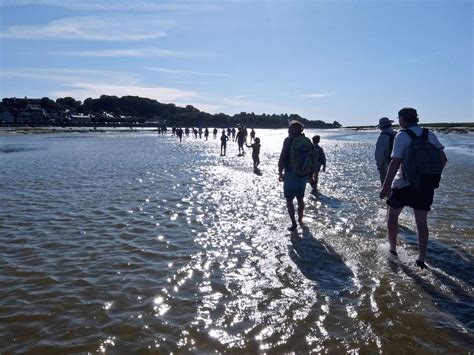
(114, 5)
(318, 95)
(112, 28)
(130, 52)
(185, 72)
(82, 84)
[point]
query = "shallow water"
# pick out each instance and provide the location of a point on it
(133, 242)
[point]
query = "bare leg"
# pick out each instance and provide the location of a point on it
(300, 209)
(315, 180)
(291, 212)
(392, 226)
(421, 218)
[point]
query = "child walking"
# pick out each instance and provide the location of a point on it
(255, 153)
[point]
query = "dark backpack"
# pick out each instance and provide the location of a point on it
(302, 156)
(423, 166)
(390, 143)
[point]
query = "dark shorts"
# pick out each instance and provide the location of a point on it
(294, 185)
(408, 196)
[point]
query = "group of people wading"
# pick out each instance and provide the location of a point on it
(409, 162)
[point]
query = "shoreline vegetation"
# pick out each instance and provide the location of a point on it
(463, 127)
(8, 129)
(133, 111)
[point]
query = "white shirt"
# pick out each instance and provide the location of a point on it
(400, 150)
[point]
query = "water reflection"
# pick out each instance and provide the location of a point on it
(154, 246)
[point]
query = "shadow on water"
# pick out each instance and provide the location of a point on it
(319, 262)
(460, 305)
(328, 201)
(453, 262)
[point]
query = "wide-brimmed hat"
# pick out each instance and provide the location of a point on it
(384, 122)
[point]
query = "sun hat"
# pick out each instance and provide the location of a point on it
(384, 122)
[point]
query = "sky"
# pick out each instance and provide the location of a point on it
(342, 60)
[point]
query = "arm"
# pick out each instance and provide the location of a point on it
(392, 171)
(323, 160)
(379, 152)
(282, 161)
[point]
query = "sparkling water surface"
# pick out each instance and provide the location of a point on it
(133, 242)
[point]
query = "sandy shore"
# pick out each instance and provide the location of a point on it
(56, 129)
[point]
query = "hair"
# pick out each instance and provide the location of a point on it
(409, 115)
(257, 140)
(316, 139)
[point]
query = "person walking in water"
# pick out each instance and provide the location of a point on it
(252, 135)
(224, 140)
(240, 141)
(214, 133)
(255, 153)
(414, 172)
(384, 146)
(179, 133)
(206, 133)
(297, 161)
(320, 162)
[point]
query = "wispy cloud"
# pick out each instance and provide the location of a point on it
(318, 95)
(130, 52)
(82, 84)
(115, 5)
(111, 28)
(84, 90)
(184, 72)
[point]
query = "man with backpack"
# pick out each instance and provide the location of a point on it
(417, 161)
(383, 147)
(297, 161)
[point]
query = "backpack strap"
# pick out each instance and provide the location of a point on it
(390, 142)
(425, 133)
(410, 133)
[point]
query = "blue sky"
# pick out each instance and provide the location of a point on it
(349, 61)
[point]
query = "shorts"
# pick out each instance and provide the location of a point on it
(294, 185)
(408, 196)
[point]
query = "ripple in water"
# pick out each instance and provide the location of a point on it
(137, 243)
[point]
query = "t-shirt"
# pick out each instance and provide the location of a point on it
(400, 150)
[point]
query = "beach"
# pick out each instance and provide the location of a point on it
(134, 242)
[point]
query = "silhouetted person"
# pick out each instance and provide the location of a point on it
(241, 140)
(206, 133)
(297, 162)
(320, 162)
(224, 140)
(252, 135)
(214, 133)
(179, 133)
(255, 153)
(384, 146)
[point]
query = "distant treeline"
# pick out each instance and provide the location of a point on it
(113, 110)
